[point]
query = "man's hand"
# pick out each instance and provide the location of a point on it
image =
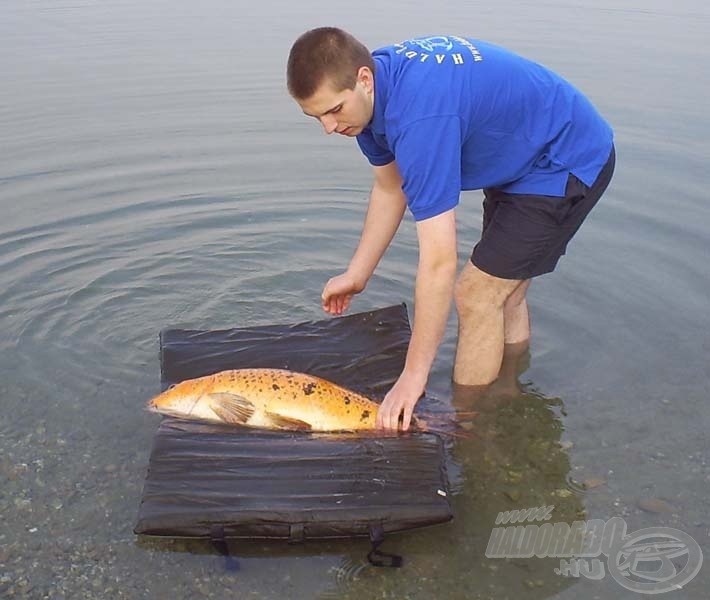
(338, 292)
(400, 400)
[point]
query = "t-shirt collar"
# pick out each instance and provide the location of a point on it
(377, 123)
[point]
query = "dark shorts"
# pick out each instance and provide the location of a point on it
(524, 235)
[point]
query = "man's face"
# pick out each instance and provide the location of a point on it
(346, 112)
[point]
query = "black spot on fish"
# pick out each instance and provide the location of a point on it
(309, 388)
(347, 399)
(275, 387)
(365, 414)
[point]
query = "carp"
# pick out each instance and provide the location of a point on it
(270, 399)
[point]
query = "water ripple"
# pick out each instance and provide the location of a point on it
(95, 283)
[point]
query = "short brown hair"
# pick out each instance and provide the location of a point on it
(325, 52)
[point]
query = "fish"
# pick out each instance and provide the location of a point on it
(268, 399)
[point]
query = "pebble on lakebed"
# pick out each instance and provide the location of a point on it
(655, 505)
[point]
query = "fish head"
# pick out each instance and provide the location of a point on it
(178, 400)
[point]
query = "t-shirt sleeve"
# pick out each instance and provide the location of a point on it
(375, 153)
(428, 155)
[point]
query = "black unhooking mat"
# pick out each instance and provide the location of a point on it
(220, 482)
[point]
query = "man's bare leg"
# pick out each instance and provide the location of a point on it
(516, 317)
(480, 302)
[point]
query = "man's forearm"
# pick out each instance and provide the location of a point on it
(384, 214)
(436, 274)
(432, 303)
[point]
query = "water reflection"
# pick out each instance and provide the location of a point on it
(513, 460)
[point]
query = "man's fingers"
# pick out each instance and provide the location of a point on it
(327, 304)
(384, 416)
(407, 419)
(331, 304)
(325, 298)
(388, 415)
(336, 304)
(393, 418)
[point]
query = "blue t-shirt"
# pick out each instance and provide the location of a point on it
(461, 114)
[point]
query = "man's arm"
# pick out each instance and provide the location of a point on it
(384, 214)
(436, 274)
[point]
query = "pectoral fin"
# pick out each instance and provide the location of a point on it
(231, 408)
(287, 422)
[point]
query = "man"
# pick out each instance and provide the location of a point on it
(435, 116)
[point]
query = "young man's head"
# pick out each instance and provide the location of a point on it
(331, 76)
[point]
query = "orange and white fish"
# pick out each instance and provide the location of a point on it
(268, 398)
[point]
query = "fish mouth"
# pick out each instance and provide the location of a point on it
(166, 412)
(151, 406)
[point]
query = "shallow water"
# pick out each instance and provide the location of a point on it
(154, 173)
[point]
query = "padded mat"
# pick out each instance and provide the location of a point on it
(207, 480)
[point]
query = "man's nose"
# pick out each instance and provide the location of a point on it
(329, 123)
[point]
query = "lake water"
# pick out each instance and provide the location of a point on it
(154, 173)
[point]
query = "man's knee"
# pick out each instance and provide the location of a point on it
(477, 291)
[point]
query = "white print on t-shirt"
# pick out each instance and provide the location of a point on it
(436, 46)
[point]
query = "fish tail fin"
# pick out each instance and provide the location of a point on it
(450, 415)
(464, 435)
(446, 427)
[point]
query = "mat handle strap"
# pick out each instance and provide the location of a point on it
(295, 533)
(219, 543)
(375, 556)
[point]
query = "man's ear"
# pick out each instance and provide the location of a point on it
(366, 78)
